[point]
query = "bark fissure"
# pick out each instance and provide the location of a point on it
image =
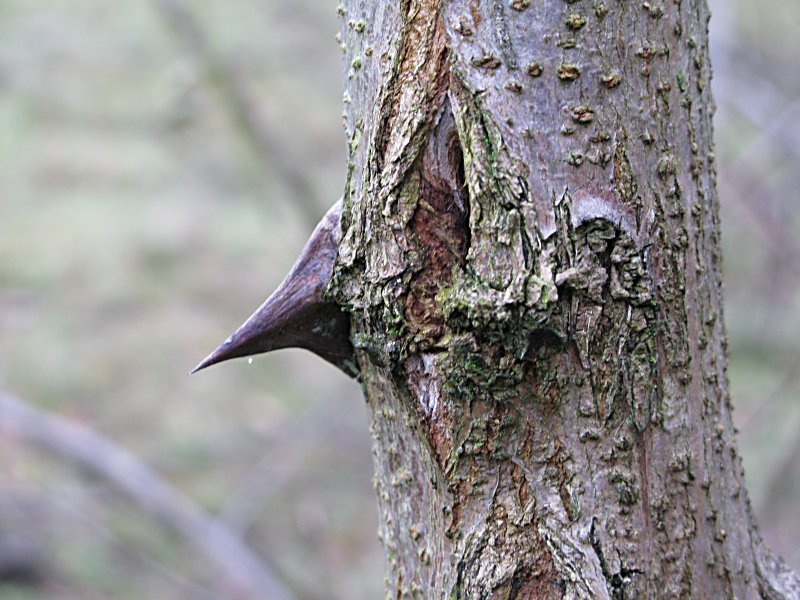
(616, 582)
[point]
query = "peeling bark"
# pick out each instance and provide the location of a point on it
(530, 261)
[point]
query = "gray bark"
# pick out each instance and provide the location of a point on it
(530, 257)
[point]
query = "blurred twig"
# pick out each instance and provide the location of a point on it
(246, 501)
(245, 571)
(244, 504)
(267, 149)
(789, 379)
(772, 132)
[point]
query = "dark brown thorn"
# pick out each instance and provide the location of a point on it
(296, 315)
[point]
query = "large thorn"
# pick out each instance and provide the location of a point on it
(297, 315)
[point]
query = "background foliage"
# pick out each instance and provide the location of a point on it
(159, 172)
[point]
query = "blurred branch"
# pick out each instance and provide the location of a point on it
(243, 506)
(245, 571)
(245, 502)
(266, 148)
(274, 472)
(46, 496)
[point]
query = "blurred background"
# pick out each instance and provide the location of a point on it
(161, 165)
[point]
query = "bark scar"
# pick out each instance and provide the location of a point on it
(440, 224)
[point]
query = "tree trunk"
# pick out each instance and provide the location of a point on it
(530, 256)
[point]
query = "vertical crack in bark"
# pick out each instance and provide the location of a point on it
(413, 95)
(502, 34)
(440, 224)
(618, 583)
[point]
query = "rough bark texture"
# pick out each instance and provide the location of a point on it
(530, 257)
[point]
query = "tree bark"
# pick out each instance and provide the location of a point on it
(530, 257)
